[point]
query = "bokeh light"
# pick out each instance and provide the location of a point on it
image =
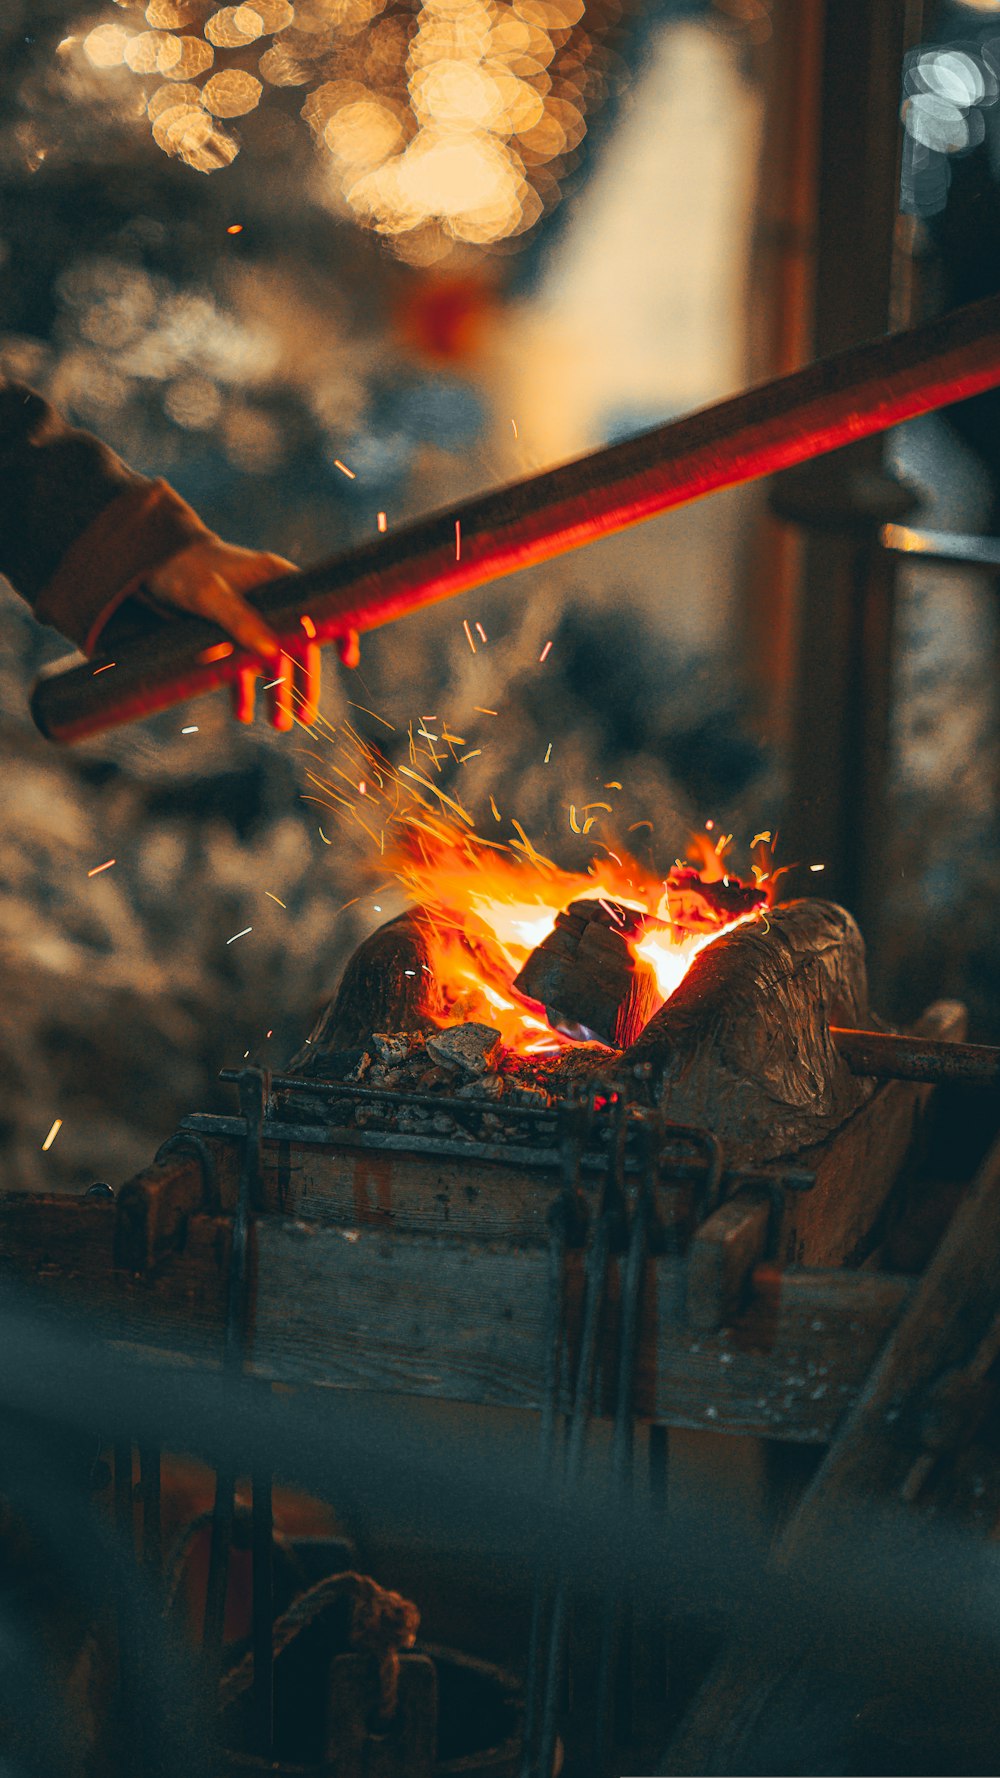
(233, 27)
(438, 123)
(946, 90)
(152, 52)
(105, 46)
(196, 58)
(193, 402)
(232, 93)
(173, 15)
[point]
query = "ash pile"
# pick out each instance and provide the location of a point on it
(459, 1083)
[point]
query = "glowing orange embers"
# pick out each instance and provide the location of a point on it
(486, 905)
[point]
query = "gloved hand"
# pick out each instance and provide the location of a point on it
(208, 578)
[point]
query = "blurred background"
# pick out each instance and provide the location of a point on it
(330, 265)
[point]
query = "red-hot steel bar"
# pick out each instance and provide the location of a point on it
(829, 404)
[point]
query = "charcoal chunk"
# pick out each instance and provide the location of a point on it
(396, 1047)
(472, 1048)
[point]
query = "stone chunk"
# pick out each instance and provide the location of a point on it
(522, 1092)
(472, 1048)
(394, 1047)
(484, 1086)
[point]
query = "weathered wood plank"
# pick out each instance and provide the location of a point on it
(366, 1186)
(153, 1210)
(889, 1448)
(53, 1234)
(721, 1257)
(465, 1321)
(67, 1246)
(856, 1168)
(949, 1335)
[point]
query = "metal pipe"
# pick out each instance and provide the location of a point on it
(958, 549)
(883, 1055)
(849, 396)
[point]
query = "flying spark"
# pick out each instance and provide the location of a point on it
(236, 935)
(382, 522)
(548, 754)
(309, 627)
(468, 633)
(235, 228)
(476, 751)
(482, 632)
(104, 669)
(817, 867)
(281, 904)
(337, 464)
(99, 867)
(545, 653)
(192, 729)
(514, 424)
(458, 540)
(378, 718)
(483, 712)
(53, 1133)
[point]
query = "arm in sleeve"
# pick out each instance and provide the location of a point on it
(79, 530)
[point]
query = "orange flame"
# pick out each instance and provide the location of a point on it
(485, 905)
(486, 910)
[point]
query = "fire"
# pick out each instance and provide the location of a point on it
(486, 909)
(486, 905)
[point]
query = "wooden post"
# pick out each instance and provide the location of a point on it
(920, 1399)
(839, 747)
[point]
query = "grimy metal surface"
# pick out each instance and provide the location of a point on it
(883, 1055)
(841, 399)
(682, 1166)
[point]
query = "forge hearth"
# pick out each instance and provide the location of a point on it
(742, 1047)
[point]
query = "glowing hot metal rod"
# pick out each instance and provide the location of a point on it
(829, 404)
